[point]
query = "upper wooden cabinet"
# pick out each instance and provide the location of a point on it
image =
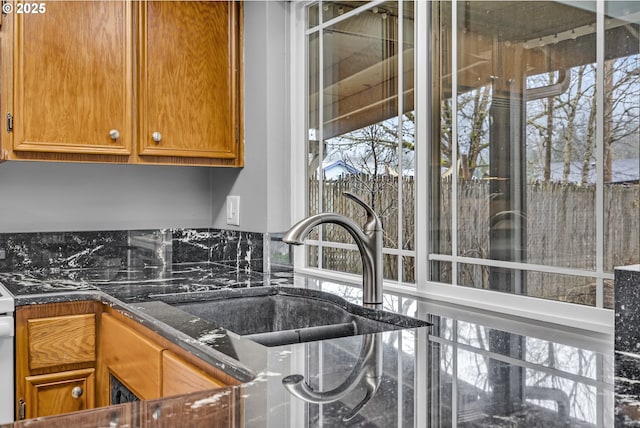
(72, 79)
(126, 82)
(187, 86)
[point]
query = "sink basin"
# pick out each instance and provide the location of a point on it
(274, 316)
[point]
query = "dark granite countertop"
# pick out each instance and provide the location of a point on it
(468, 369)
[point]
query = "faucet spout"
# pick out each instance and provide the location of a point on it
(368, 239)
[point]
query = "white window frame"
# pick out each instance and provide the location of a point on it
(571, 315)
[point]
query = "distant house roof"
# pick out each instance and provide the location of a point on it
(623, 171)
(338, 168)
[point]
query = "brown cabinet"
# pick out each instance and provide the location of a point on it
(72, 86)
(147, 364)
(56, 393)
(153, 82)
(131, 357)
(55, 358)
(67, 353)
(187, 82)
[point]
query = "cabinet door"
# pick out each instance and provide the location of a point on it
(180, 377)
(131, 357)
(187, 70)
(55, 393)
(73, 79)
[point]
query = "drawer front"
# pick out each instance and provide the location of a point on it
(61, 340)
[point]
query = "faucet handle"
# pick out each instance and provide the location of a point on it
(373, 224)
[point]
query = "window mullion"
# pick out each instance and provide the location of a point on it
(320, 173)
(600, 47)
(400, 136)
(422, 97)
(454, 142)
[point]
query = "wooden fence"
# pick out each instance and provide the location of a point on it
(560, 223)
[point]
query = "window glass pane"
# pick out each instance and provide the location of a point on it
(390, 268)
(566, 288)
(406, 169)
(341, 260)
(312, 256)
(408, 271)
(563, 214)
(331, 9)
(360, 71)
(441, 136)
(500, 51)
(349, 261)
(312, 16)
(360, 117)
(369, 156)
(313, 120)
(518, 171)
(359, 139)
(622, 135)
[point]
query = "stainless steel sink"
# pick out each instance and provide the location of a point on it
(274, 316)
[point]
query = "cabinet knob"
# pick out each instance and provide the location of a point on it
(157, 137)
(114, 134)
(76, 392)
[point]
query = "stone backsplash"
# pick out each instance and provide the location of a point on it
(133, 248)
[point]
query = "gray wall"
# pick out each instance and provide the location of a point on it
(47, 197)
(42, 196)
(264, 183)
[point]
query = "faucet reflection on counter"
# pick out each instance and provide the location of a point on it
(367, 367)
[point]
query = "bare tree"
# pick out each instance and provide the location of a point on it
(473, 130)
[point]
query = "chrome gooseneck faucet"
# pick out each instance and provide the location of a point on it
(368, 239)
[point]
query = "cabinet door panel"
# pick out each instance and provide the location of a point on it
(187, 79)
(52, 394)
(180, 377)
(133, 358)
(72, 78)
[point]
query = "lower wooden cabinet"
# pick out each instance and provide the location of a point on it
(68, 353)
(55, 358)
(63, 392)
(147, 364)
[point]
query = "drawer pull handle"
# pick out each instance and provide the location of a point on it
(76, 392)
(157, 137)
(114, 134)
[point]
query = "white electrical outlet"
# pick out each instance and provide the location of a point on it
(233, 210)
